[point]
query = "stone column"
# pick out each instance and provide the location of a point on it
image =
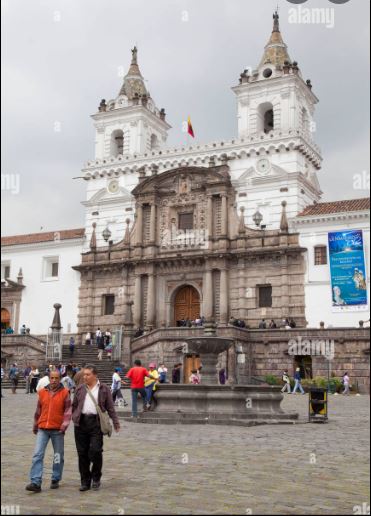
(151, 301)
(208, 295)
(210, 215)
(139, 225)
(138, 302)
(127, 334)
(285, 296)
(232, 377)
(224, 215)
(152, 234)
(224, 295)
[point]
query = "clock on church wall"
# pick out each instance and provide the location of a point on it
(263, 166)
(113, 186)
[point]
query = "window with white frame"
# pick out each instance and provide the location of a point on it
(51, 268)
(5, 270)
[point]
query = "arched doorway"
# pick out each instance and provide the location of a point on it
(5, 319)
(186, 304)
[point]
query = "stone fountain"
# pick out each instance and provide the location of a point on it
(242, 405)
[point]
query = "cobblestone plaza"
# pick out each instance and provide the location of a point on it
(162, 469)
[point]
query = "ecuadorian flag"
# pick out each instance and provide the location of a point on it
(190, 128)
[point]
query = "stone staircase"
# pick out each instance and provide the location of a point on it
(89, 355)
(82, 355)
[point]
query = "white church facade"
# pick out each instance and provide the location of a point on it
(268, 178)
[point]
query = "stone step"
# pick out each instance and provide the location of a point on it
(194, 420)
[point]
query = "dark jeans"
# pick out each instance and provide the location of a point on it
(134, 400)
(117, 395)
(89, 445)
(33, 385)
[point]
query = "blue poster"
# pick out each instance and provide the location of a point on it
(347, 269)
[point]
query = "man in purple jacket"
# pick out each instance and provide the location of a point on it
(88, 434)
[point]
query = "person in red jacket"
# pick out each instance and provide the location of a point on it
(137, 374)
(51, 420)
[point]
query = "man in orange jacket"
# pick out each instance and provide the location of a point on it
(51, 420)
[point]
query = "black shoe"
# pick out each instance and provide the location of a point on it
(54, 484)
(33, 487)
(95, 485)
(84, 488)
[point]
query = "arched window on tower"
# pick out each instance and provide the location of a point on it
(265, 118)
(268, 121)
(154, 142)
(117, 142)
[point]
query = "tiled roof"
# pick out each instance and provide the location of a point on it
(50, 236)
(326, 208)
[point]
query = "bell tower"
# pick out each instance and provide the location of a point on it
(275, 101)
(131, 123)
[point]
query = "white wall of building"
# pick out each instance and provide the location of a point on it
(318, 295)
(40, 294)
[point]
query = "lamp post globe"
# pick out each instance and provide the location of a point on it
(257, 218)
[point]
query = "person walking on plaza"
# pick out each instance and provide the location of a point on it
(98, 336)
(195, 377)
(72, 346)
(162, 371)
(150, 384)
(292, 323)
(137, 374)
(14, 377)
(88, 434)
(34, 378)
(108, 350)
(262, 325)
(26, 376)
(298, 385)
(51, 420)
(101, 348)
(222, 376)
(78, 377)
(346, 383)
(68, 383)
(287, 386)
(43, 382)
(175, 374)
(116, 388)
(88, 339)
(107, 337)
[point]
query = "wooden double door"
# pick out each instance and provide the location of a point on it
(191, 362)
(187, 304)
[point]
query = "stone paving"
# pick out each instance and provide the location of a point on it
(160, 469)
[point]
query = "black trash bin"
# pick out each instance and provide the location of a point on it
(318, 405)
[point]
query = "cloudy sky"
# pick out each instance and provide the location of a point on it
(61, 57)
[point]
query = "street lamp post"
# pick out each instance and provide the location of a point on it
(106, 236)
(258, 219)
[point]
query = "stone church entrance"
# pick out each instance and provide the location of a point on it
(186, 304)
(5, 319)
(191, 362)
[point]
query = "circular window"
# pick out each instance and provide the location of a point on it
(267, 73)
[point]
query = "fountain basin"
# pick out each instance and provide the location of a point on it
(218, 404)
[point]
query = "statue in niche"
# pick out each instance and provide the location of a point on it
(183, 186)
